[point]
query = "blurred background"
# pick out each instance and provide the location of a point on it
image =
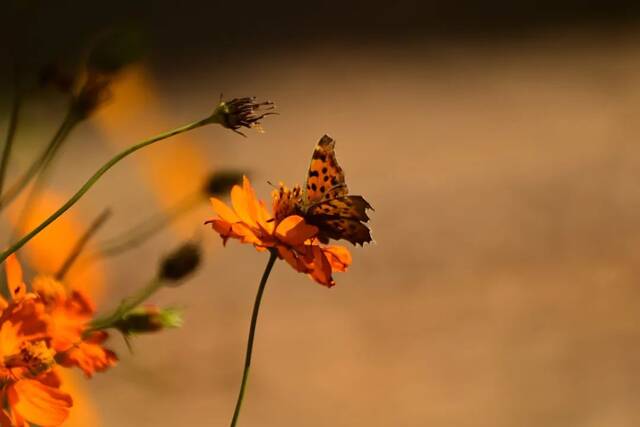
(496, 141)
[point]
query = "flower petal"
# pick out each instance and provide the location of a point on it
(338, 256)
(89, 355)
(5, 420)
(223, 228)
(49, 289)
(292, 259)
(17, 288)
(321, 271)
(245, 233)
(39, 403)
(265, 219)
(293, 230)
(252, 201)
(224, 211)
(243, 206)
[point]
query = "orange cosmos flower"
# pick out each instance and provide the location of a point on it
(29, 385)
(295, 241)
(69, 314)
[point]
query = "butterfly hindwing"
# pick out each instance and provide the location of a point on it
(325, 179)
(349, 207)
(343, 228)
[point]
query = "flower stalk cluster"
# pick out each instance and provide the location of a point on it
(49, 325)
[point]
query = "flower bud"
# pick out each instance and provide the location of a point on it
(181, 263)
(219, 183)
(149, 319)
(93, 94)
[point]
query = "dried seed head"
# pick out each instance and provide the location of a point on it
(243, 112)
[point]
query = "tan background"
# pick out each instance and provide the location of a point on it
(503, 287)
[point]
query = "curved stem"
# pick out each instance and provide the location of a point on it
(252, 329)
(141, 232)
(96, 176)
(11, 132)
(81, 243)
(41, 161)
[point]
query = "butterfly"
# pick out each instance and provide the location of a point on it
(325, 201)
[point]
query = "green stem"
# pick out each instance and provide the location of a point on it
(11, 132)
(81, 243)
(42, 161)
(91, 181)
(41, 178)
(126, 306)
(138, 234)
(252, 329)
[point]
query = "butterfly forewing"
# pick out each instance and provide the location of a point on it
(325, 179)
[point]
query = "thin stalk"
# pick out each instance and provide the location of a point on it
(252, 330)
(11, 132)
(41, 161)
(141, 232)
(81, 243)
(96, 176)
(41, 178)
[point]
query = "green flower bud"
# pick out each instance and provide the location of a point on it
(147, 319)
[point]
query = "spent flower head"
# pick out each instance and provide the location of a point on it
(243, 112)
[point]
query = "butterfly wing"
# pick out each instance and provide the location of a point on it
(350, 207)
(325, 179)
(351, 230)
(341, 218)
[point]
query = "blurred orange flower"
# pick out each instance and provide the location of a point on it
(294, 240)
(40, 330)
(30, 386)
(69, 314)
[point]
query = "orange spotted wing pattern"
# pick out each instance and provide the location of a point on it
(327, 204)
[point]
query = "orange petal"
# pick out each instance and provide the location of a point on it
(242, 206)
(224, 211)
(290, 257)
(321, 271)
(252, 201)
(89, 355)
(38, 403)
(17, 288)
(5, 420)
(294, 231)
(49, 288)
(245, 233)
(265, 219)
(223, 228)
(338, 256)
